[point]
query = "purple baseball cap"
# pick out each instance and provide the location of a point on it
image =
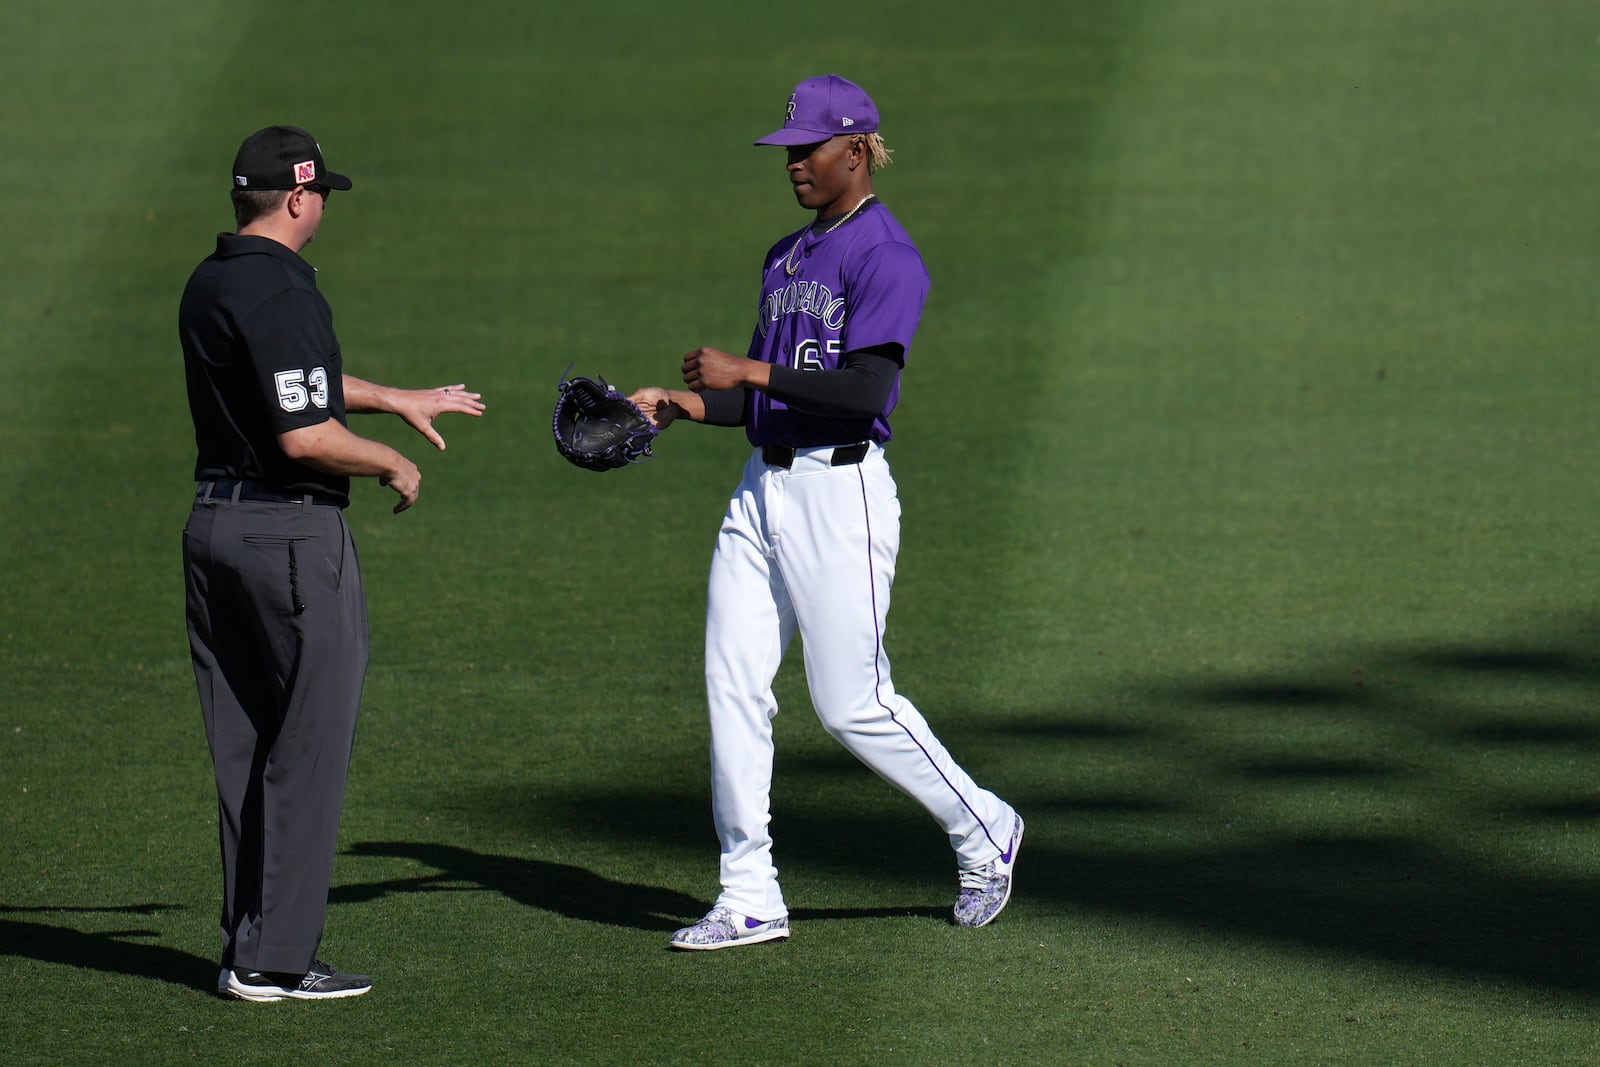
(824, 107)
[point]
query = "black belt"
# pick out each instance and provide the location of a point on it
(843, 456)
(233, 489)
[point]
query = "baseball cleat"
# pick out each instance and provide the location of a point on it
(986, 890)
(724, 928)
(322, 982)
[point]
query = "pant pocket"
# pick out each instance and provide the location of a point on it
(292, 562)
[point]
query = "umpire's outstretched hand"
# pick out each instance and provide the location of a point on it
(419, 407)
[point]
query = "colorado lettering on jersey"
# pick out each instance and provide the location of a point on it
(806, 298)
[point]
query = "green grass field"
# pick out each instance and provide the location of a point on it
(1247, 455)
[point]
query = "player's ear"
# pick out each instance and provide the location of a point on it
(858, 151)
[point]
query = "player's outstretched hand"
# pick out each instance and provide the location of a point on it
(657, 405)
(419, 407)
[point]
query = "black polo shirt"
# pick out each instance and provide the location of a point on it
(261, 359)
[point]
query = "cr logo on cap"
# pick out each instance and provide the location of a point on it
(305, 172)
(790, 115)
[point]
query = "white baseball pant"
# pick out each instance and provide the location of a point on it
(812, 549)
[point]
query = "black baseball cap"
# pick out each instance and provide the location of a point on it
(282, 157)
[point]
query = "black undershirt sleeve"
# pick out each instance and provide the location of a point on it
(859, 389)
(724, 407)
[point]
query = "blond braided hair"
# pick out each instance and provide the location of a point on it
(878, 153)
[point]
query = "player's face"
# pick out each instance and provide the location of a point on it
(824, 174)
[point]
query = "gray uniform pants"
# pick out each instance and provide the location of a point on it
(278, 634)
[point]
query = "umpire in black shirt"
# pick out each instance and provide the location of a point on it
(276, 613)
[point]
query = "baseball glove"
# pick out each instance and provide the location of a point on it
(598, 428)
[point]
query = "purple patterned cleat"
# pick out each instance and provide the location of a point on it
(724, 928)
(986, 890)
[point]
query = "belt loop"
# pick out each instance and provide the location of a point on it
(305, 502)
(849, 455)
(238, 486)
(205, 495)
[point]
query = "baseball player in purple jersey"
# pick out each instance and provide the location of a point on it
(808, 544)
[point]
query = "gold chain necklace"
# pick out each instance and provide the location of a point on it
(791, 264)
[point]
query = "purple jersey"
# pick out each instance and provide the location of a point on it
(823, 295)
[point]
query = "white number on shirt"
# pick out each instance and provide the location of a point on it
(806, 357)
(319, 386)
(292, 392)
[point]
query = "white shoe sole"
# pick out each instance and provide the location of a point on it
(270, 994)
(753, 939)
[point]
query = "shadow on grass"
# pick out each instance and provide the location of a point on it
(112, 951)
(553, 887)
(1433, 900)
(1513, 661)
(1457, 730)
(1383, 897)
(1424, 724)
(1390, 899)
(1436, 898)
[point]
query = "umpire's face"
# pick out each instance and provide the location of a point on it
(829, 177)
(307, 204)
